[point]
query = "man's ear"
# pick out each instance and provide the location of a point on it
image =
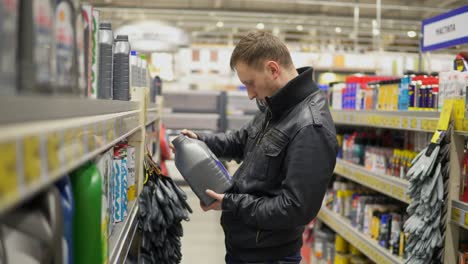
(273, 68)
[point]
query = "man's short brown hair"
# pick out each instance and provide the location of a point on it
(258, 46)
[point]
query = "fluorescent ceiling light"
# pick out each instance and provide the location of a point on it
(338, 30)
(260, 26)
(299, 27)
(411, 34)
(220, 24)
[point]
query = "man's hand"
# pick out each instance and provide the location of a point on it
(186, 132)
(217, 204)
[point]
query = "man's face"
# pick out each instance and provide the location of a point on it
(259, 82)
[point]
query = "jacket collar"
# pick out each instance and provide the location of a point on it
(293, 92)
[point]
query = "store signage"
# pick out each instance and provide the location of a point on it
(445, 30)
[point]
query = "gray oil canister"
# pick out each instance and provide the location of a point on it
(121, 78)
(35, 46)
(200, 168)
(106, 57)
(8, 44)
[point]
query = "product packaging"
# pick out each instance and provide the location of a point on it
(131, 163)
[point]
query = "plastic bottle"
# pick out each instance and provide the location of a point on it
(121, 78)
(66, 69)
(87, 238)
(35, 46)
(200, 168)
(8, 45)
(82, 78)
(139, 77)
(65, 188)
(106, 58)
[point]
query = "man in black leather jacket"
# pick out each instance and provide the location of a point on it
(288, 152)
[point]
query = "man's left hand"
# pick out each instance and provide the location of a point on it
(217, 204)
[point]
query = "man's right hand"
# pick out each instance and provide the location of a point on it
(187, 133)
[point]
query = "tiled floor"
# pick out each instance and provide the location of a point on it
(203, 240)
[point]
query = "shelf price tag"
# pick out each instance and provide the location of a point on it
(32, 159)
(456, 215)
(110, 133)
(91, 138)
(465, 222)
(53, 143)
(69, 140)
(100, 139)
(9, 187)
(80, 141)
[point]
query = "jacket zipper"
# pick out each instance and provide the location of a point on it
(258, 236)
(263, 132)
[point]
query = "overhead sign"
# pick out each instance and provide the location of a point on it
(445, 30)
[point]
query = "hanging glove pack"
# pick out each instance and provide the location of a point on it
(162, 206)
(428, 191)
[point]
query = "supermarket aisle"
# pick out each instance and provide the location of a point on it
(203, 240)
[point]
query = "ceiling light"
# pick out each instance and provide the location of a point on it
(411, 34)
(375, 32)
(276, 31)
(220, 24)
(299, 27)
(260, 26)
(338, 30)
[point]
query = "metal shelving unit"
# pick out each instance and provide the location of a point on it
(37, 150)
(425, 121)
(389, 185)
(365, 244)
(123, 234)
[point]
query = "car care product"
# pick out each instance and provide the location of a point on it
(121, 78)
(106, 41)
(8, 46)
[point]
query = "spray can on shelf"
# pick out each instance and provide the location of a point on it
(106, 41)
(121, 78)
(200, 168)
(65, 44)
(8, 45)
(35, 46)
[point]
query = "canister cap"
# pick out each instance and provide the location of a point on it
(105, 26)
(121, 38)
(133, 52)
(178, 140)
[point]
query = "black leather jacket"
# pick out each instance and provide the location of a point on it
(289, 153)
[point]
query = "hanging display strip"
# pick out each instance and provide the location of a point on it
(389, 185)
(35, 154)
(122, 236)
(460, 213)
(406, 120)
(365, 244)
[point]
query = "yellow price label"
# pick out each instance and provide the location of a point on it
(53, 144)
(404, 122)
(91, 138)
(8, 172)
(445, 115)
(465, 125)
(415, 123)
(466, 220)
(32, 159)
(110, 133)
(80, 142)
(456, 214)
(100, 134)
(69, 141)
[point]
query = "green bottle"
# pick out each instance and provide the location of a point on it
(87, 240)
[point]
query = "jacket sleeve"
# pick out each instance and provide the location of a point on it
(229, 145)
(309, 165)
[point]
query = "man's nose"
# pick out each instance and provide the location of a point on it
(251, 94)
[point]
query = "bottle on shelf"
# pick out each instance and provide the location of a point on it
(121, 77)
(106, 41)
(36, 45)
(8, 46)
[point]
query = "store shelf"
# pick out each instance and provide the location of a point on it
(460, 213)
(389, 185)
(365, 244)
(425, 121)
(122, 235)
(34, 154)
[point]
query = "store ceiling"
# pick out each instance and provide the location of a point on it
(314, 25)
